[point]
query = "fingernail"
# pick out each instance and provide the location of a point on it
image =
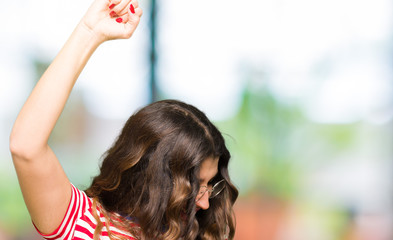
(113, 14)
(112, 6)
(119, 20)
(132, 8)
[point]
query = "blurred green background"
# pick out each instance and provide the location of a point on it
(302, 91)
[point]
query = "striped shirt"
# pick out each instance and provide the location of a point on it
(79, 222)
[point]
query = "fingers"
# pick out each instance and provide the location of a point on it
(135, 12)
(119, 7)
(125, 11)
(135, 3)
(114, 2)
(131, 21)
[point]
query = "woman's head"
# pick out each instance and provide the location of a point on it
(153, 173)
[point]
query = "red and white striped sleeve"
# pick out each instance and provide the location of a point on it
(78, 204)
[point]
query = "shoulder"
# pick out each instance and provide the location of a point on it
(77, 207)
(82, 218)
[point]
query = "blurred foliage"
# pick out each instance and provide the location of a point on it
(14, 215)
(272, 142)
(261, 145)
(275, 148)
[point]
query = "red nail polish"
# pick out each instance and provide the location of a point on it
(112, 6)
(112, 14)
(132, 9)
(119, 20)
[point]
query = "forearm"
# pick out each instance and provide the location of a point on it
(44, 184)
(39, 114)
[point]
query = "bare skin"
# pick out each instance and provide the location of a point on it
(45, 187)
(208, 170)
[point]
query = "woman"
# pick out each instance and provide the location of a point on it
(165, 177)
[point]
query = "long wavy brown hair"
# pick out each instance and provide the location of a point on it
(149, 178)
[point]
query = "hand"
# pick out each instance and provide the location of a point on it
(112, 19)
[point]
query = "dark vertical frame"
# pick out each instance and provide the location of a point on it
(153, 52)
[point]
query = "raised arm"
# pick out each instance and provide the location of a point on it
(45, 187)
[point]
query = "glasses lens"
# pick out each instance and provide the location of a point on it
(217, 188)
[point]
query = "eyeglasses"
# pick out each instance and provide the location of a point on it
(213, 191)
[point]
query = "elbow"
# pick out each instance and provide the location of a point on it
(17, 148)
(22, 149)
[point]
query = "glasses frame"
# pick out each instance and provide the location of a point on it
(201, 192)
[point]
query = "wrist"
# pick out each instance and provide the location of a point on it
(78, 49)
(87, 36)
